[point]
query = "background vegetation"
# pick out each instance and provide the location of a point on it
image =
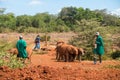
(68, 19)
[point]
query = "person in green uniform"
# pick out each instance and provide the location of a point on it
(21, 47)
(99, 47)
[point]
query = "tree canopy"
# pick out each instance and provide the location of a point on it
(68, 19)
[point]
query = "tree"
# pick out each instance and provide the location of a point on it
(2, 10)
(8, 21)
(79, 14)
(24, 20)
(68, 14)
(106, 18)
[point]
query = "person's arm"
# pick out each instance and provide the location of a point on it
(25, 44)
(17, 45)
(99, 42)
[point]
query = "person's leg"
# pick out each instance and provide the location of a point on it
(95, 59)
(35, 46)
(38, 45)
(100, 58)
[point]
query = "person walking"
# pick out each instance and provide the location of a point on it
(21, 47)
(37, 42)
(98, 47)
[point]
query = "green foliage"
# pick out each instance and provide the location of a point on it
(7, 59)
(24, 20)
(8, 21)
(32, 30)
(85, 38)
(10, 60)
(113, 66)
(67, 14)
(44, 38)
(107, 19)
(69, 19)
(5, 45)
(21, 29)
(2, 10)
(116, 55)
(5, 30)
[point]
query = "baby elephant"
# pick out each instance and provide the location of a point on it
(14, 51)
(81, 52)
(65, 51)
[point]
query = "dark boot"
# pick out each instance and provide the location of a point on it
(100, 58)
(95, 60)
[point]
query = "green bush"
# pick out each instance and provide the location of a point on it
(113, 66)
(21, 29)
(32, 30)
(9, 60)
(44, 37)
(115, 55)
(5, 45)
(5, 30)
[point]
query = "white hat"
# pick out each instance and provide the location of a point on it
(97, 33)
(20, 36)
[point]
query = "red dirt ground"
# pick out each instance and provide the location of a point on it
(45, 67)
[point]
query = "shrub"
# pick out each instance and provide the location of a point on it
(113, 66)
(115, 55)
(32, 30)
(5, 45)
(9, 60)
(5, 30)
(44, 37)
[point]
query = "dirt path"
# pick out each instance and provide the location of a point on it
(45, 67)
(49, 60)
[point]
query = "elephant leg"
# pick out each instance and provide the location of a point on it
(57, 55)
(65, 60)
(72, 57)
(79, 57)
(60, 57)
(66, 57)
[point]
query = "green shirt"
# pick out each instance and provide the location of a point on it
(21, 46)
(100, 45)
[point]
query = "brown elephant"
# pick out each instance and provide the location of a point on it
(73, 52)
(65, 51)
(81, 52)
(58, 49)
(14, 51)
(61, 53)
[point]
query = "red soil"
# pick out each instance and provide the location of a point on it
(45, 67)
